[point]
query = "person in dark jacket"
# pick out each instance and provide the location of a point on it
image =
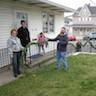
(61, 48)
(23, 34)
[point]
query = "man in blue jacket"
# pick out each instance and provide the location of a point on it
(62, 39)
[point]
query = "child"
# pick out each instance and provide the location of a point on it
(14, 48)
(78, 46)
(41, 42)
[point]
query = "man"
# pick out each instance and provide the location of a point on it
(61, 48)
(23, 34)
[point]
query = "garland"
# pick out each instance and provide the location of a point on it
(36, 43)
(24, 51)
(83, 45)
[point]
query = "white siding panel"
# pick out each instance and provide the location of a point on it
(59, 22)
(5, 25)
(35, 22)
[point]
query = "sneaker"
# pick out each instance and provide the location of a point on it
(19, 73)
(15, 76)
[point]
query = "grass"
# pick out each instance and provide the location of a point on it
(80, 80)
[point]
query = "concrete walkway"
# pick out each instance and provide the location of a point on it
(6, 77)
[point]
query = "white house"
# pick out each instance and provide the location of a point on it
(41, 16)
(84, 20)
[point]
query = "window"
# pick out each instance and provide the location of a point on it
(75, 29)
(89, 18)
(20, 16)
(86, 19)
(45, 22)
(80, 19)
(83, 19)
(51, 23)
(48, 22)
(81, 29)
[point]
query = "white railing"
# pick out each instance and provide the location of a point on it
(4, 57)
(33, 52)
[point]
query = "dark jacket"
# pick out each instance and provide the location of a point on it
(24, 35)
(62, 42)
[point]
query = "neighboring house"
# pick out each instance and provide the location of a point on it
(41, 16)
(84, 20)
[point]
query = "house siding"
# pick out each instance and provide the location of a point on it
(5, 25)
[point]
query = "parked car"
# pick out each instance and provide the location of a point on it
(71, 37)
(90, 36)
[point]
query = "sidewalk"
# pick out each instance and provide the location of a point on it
(6, 77)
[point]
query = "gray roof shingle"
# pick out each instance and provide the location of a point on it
(92, 10)
(77, 11)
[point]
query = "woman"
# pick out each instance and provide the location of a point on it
(61, 48)
(14, 49)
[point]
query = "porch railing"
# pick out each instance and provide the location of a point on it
(4, 57)
(33, 53)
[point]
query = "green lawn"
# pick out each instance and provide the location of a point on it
(80, 80)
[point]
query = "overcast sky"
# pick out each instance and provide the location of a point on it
(74, 3)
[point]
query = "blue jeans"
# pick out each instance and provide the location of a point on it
(61, 56)
(16, 63)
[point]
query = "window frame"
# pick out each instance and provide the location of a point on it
(50, 27)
